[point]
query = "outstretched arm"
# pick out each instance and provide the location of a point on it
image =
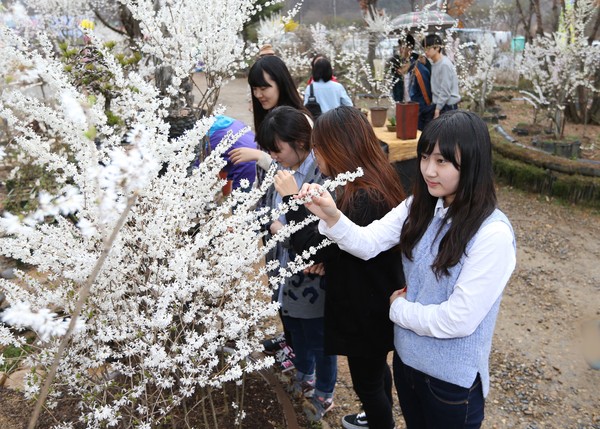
(363, 242)
(309, 236)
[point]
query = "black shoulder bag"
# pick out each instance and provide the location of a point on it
(312, 105)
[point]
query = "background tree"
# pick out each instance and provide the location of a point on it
(369, 10)
(563, 63)
(249, 31)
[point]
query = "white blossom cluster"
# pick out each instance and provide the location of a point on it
(322, 43)
(360, 78)
(272, 30)
(43, 322)
(183, 277)
(377, 21)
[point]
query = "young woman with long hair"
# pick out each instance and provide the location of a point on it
(328, 93)
(272, 85)
(458, 252)
(356, 306)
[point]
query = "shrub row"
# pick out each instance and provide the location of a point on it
(546, 174)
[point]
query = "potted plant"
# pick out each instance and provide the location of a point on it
(392, 124)
(380, 89)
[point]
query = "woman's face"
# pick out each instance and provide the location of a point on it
(287, 157)
(440, 175)
(268, 96)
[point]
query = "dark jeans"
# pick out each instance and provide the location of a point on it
(430, 403)
(310, 355)
(425, 115)
(372, 382)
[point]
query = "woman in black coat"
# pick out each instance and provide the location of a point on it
(357, 322)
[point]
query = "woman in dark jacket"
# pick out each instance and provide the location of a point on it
(357, 322)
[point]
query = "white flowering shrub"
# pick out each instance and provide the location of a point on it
(323, 41)
(179, 280)
(359, 79)
(475, 67)
(147, 293)
(559, 64)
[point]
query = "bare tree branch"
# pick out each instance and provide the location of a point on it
(107, 24)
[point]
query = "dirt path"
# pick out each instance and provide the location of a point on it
(540, 376)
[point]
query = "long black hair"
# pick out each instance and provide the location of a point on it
(464, 140)
(279, 73)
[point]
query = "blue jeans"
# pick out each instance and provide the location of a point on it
(310, 354)
(430, 403)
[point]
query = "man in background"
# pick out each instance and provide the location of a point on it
(412, 80)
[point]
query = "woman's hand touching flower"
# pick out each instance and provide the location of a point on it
(322, 204)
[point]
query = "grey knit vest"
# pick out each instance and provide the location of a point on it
(456, 360)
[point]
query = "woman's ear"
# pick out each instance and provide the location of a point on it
(303, 146)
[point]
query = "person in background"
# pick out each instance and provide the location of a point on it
(458, 253)
(444, 80)
(285, 134)
(312, 64)
(412, 80)
(272, 85)
(234, 173)
(357, 301)
(329, 94)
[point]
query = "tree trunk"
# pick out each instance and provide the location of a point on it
(369, 7)
(594, 112)
(595, 28)
(130, 24)
(556, 10)
(525, 20)
(535, 4)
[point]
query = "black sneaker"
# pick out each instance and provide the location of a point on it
(355, 421)
(273, 345)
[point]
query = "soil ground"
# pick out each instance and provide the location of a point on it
(540, 378)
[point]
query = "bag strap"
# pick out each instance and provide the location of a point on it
(312, 94)
(419, 77)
